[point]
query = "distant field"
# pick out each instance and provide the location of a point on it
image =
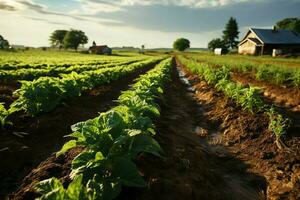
(56, 57)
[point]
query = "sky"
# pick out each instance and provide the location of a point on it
(154, 23)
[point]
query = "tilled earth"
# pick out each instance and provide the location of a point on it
(212, 150)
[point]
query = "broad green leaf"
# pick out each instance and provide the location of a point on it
(104, 189)
(144, 143)
(75, 189)
(48, 185)
(56, 194)
(69, 145)
(128, 173)
(83, 159)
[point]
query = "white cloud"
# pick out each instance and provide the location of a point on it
(94, 6)
(116, 5)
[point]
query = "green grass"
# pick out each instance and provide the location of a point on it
(274, 70)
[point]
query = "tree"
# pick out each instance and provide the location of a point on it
(74, 38)
(217, 43)
(4, 44)
(181, 44)
(231, 33)
(142, 50)
(57, 38)
(292, 24)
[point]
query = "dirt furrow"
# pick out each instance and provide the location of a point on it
(192, 169)
(246, 137)
(44, 134)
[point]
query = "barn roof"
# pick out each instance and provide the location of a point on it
(100, 47)
(278, 36)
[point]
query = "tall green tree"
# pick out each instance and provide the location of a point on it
(57, 38)
(4, 44)
(74, 38)
(231, 33)
(292, 24)
(181, 44)
(216, 43)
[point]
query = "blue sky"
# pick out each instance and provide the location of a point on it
(155, 23)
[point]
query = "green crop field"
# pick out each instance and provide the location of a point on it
(115, 121)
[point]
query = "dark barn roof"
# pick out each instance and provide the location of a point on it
(97, 48)
(274, 36)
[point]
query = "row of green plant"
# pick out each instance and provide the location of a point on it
(112, 142)
(46, 93)
(45, 59)
(15, 65)
(276, 74)
(3, 115)
(248, 97)
(32, 73)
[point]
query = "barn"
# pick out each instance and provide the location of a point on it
(264, 41)
(100, 49)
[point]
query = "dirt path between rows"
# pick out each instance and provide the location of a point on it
(247, 137)
(20, 154)
(193, 168)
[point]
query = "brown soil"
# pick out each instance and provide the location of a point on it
(287, 97)
(213, 150)
(44, 134)
(6, 92)
(247, 137)
(190, 170)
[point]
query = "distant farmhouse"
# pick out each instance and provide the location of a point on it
(102, 49)
(269, 41)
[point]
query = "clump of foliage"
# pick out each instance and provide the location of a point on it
(4, 44)
(292, 24)
(74, 38)
(217, 43)
(228, 40)
(3, 115)
(68, 39)
(181, 44)
(57, 38)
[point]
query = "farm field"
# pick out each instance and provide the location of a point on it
(149, 126)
